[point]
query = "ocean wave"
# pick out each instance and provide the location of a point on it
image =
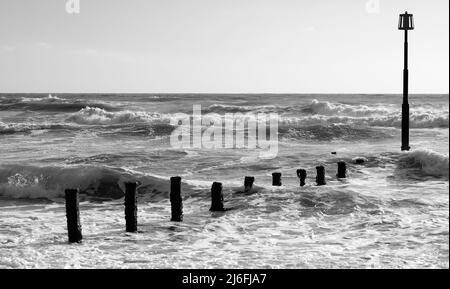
(99, 116)
(137, 129)
(33, 182)
(121, 158)
(49, 103)
(12, 128)
(328, 108)
(417, 120)
(315, 107)
(127, 129)
(336, 202)
(228, 108)
(382, 115)
(331, 132)
(49, 98)
(429, 162)
(327, 113)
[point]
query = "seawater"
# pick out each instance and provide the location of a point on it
(391, 212)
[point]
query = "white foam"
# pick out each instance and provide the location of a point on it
(49, 98)
(383, 115)
(417, 120)
(328, 108)
(6, 128)
(99, 116)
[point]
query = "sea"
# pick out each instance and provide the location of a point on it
(392, 210)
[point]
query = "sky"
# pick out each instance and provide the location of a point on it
(221, 46)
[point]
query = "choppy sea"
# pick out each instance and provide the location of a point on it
(391, 212)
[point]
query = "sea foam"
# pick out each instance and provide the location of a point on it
(328, 113)
(99, 116)
(328, 108)
(376, 115)
(11, 128)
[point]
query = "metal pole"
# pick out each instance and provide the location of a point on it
(405, 106)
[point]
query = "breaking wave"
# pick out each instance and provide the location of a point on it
(49, 103)
(12, 128)
(326, 113)
(429, 162)
(331, 132)
(32, 182)
(227, 108)
(331, 109)
(417, 120)
(99, 116)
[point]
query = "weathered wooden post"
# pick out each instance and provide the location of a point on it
(320, 178)
(248, 183)
(217, 198)
(130, 207)
(342, 170)
(176, 201)
(302, 176)
(276, 179)
(73, 216)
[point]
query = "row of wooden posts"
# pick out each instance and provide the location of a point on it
(217, 204)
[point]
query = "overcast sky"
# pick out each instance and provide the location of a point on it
(221, 46)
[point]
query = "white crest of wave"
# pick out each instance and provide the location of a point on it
(49, 98)
(229, 108)
(328, 108)
(24, 181)
(6, 128)
(94, 115)
(325, 113)
(430, 162)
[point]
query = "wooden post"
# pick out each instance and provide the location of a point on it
(216, 198)
(276, 179)
(342, 170)
(248, 183)
(302, 175)
(130, 207)
(73, 216)
(176, 201)
(320, 178)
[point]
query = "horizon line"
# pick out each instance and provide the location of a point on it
(236, 93)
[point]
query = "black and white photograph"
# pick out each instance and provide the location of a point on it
(224, 134)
